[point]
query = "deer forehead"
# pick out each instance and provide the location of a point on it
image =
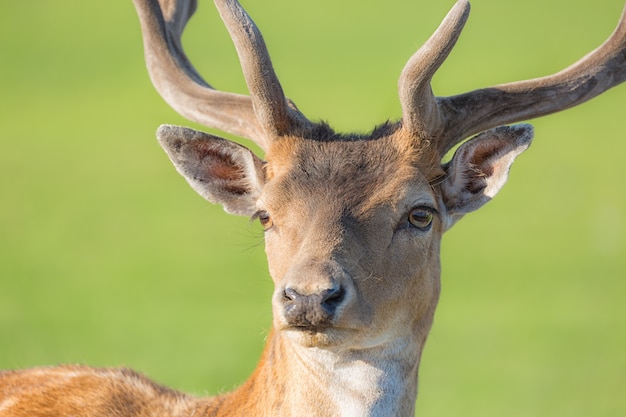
(356, 177)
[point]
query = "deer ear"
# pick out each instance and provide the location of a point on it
(221, 171)
(480, 167)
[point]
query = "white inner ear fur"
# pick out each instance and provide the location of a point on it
(480, 168)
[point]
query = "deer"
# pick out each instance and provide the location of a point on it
(352, 222)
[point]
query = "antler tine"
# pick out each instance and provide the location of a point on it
(270, 104)
(420, 112)
(479, 110)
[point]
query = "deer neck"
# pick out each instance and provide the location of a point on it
(292, 380)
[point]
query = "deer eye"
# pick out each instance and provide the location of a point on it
(421, 217)
(264, 219)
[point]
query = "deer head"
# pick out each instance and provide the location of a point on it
(353, 222)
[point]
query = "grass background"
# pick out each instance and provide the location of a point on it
(108, 258)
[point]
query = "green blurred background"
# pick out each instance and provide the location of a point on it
(108, 258)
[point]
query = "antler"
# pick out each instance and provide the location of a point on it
(263, 115)
(267, 114)
(452, 119)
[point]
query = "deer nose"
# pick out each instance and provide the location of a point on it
(312, 310)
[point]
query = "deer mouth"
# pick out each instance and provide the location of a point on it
(311, 330)
(319, 335)
(316, 336)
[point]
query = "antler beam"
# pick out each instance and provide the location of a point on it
(449, 120)
(262, 116)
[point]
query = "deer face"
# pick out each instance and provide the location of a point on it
(352, 224)
(352, 239)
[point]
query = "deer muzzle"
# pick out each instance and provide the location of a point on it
(314, 295)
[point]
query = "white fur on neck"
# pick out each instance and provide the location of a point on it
(378, 382)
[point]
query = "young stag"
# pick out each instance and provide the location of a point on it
(353, 223)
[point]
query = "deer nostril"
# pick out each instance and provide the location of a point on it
(291, 295)
(331, 298)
